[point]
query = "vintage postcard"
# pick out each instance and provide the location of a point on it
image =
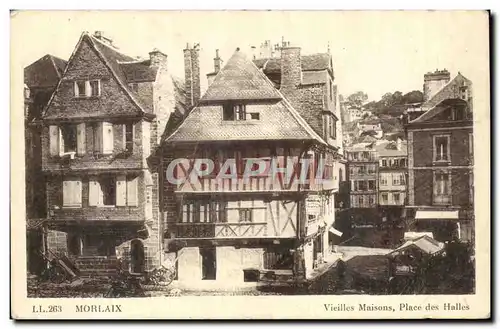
(250, 165)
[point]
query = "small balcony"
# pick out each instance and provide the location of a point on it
(219, 230)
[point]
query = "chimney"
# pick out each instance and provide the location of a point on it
(434, 81)
(157, 58)
(102, 37)
(192, 73)
(291, 71)
(217, 62)
(253, 52)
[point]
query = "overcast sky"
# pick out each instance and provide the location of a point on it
(376, 52)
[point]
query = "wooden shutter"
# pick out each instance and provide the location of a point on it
(75, 89)
(121, 191)
(97, 137)
(88, 89)
(132, 191)
(54, 140)
(80, 139)
(107, 138)
(94, 192)
(72, 193)
(67, 193)
(77, 193)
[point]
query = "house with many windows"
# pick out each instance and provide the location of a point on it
(392, 171)
(441, 166)
(98, 128)
(264, 116)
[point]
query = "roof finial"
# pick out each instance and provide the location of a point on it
(328, 47)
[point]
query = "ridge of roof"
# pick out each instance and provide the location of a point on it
(240, 78)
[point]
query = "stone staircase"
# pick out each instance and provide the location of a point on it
(96, 265)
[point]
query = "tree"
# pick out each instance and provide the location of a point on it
(357, 99)
(415, 96)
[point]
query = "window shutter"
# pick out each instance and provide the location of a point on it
(121, 191)
(88, 90)
(77, 193)
(107, 138)
(132, 191)
(54, 140)
(61, 142)
(67, 193)
(94, 188)
(98, 137)
(80, 138)
(75, 88)
(72, 193)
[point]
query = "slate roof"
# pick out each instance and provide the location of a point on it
(240, 79)
(313, 62)
(124, 68)
(388, 149)
(45, 72)
(440, 108)
(139, 71)
(425, 243)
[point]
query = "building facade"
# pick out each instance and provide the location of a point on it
(221, 224)
(40, 80)
(363, 175)
(98, 130)
(440, 165)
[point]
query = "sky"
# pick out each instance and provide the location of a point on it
(375, 52)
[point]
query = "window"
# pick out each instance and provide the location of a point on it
(87, 88)
(232, 112)
(384, 198)
(471, 187)
(383, 179)
(396, 198)
(95, 88)
(134, 87)
(79, 88)
(102, 137)
(384, 163)
(108, 190)
(371, 200)
(471, 147)
(442, 148)
(402, 162)
(129, 137)
(72, 193)
(332, 127)
(371, 185)
(245, 215)
(442, 188)
(68, 138)
(464, 93)
(396, 179)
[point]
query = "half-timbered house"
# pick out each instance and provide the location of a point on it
(230, 226)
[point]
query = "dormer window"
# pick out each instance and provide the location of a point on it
(87, 88)
(238, 112)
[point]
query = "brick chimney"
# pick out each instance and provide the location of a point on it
(192, 73)
(103, 38)
(291, 70)
(434, 81)
(157, 58)
(217, 62)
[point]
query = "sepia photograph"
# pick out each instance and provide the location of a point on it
(249, 155)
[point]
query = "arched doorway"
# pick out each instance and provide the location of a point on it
(137, 258)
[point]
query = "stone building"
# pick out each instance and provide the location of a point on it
(98, 129)
(228, 230)
(441, 164)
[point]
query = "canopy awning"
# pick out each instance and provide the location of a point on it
(433, 214)
(335, 231)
